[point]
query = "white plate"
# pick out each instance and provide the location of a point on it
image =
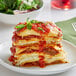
(51, 69)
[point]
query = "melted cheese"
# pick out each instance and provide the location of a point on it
(24, 42)
(36, 40)
(19, 50)
(26, 58)
(35, 47)
(28, 32)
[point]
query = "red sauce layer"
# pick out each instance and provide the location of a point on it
(28, 45)
(13, 50)
(59, 45)
(37, 64)
(35, 28)
(47, 50)
(12, 58)
(16, 37)
(41, 61)
(41, 45)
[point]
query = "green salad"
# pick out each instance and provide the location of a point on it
(9, 6)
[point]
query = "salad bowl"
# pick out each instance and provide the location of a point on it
(13, 19)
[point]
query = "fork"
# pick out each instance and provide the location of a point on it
(74, 26)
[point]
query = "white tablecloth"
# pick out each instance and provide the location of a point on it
(46, 14)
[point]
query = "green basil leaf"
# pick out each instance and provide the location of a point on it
(39, 28)
(34, 21)
(20, 26)
(29, 26)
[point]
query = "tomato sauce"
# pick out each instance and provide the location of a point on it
(41, 45)
(41, 61)
(43, 64)
(11, 58)
(59, 45)
(16, 37)
(35, 28)
(13, 50)
(50, 51)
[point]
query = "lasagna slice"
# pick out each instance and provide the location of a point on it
(36, 43)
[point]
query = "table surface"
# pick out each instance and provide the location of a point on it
(46, 14)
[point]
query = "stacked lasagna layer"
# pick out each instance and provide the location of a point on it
(36, 43)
